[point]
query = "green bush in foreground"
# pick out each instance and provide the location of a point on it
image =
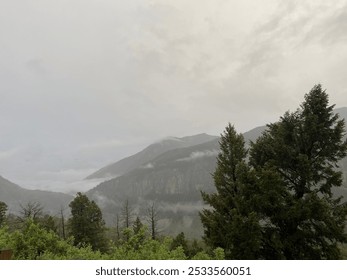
(35, 242)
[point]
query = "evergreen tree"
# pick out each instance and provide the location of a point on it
(137, 225)
(300, 153)
(230, 223)
(179, 240)
(86, 223)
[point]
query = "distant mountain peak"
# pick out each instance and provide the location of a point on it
(149, 153)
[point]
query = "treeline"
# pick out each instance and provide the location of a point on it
(34, 235)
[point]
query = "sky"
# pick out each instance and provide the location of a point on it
(84, 83)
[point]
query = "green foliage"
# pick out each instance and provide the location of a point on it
(74, 253)
(33, 241)
(142, 247)
(137, 225)
(49, 223)
(4, 237)
(180, 240)
(231, 223)
(86, 223)
(217, 254)
(279, 203)
(3, 210)
(296, 162)
(190, 248)
(193, 248)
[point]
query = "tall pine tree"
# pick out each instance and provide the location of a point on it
(301, 218)
(230, 223)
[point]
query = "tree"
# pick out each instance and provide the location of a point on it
(32, 210)
(33, 241)
(117, 228)
(137, 225)
(301, 219)
(152, 219)
(86, 223)
(230, 223)
(62, 222)
(127, 214)
(3, 210)
(180, 240)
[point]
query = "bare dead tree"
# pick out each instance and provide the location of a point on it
(117, 227)
(127, 214)
(152, 219)
(32, 210)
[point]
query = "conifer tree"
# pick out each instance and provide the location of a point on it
(86, 223)
(230, 223)
(301, 218)
(137, 225)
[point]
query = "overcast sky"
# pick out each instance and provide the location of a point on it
(84, 83)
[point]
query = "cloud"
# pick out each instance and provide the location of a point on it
(147, 166)
(102, 200)
(199, 155)
(111, 144)
(58, 184)
(7, 154)
(69, 175)
(181, 207)
(85, 84)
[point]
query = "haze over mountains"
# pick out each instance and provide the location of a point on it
(15, 196)
(170, 173)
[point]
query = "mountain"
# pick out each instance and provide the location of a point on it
(173, 180)
(130, 163)
(14, 196)
(253, 134)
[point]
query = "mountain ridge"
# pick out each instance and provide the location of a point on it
(150, 152)
(15, 196)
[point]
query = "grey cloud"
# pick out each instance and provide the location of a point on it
(331, 29)
(148, 166)
(199, 155)
(83, 84)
